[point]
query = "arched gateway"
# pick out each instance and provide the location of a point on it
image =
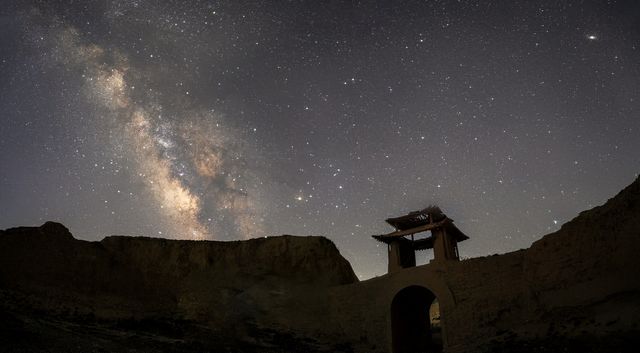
(415, 315)
(415, 321)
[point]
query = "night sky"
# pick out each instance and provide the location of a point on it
(239, 119)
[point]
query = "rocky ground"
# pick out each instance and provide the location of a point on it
(38, 332)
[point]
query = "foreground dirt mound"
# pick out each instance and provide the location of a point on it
(218, 293)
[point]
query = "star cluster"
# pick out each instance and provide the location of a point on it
(232, 120)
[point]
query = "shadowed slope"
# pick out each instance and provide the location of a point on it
(239, 292)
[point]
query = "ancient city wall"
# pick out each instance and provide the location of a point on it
(580, 280)
(264, 294)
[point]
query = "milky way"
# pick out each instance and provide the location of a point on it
(184, 163)
(233, 120)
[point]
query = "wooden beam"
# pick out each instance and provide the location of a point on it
(415, 230)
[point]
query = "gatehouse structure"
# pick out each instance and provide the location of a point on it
(443, 240)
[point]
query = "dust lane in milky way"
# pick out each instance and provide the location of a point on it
(187, 163)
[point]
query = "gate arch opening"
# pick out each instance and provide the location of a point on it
(415, 321)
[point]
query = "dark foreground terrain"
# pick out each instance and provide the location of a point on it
(139, 294)
(575, 290)
(37, 332)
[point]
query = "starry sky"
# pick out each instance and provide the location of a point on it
(231, 120)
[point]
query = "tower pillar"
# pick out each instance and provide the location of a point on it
(445, 248)
(401, 255)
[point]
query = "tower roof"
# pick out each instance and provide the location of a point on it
(421, 221)
(415, 219)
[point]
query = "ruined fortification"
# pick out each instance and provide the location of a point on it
(577, 289)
